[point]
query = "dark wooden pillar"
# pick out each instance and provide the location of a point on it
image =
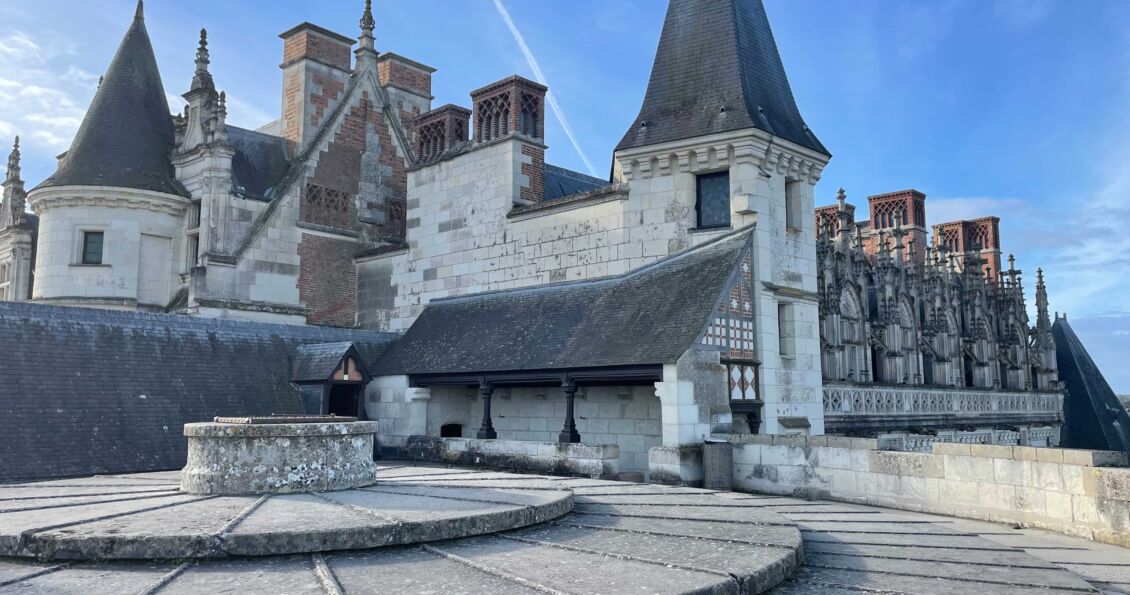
(569, 434)
(486, 432)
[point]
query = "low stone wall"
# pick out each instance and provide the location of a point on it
(599, 461)
(1077, 492)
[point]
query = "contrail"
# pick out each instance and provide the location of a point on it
(540, 76)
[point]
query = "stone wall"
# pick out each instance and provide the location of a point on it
(628, 417)
(598, 461)
(1078, 492)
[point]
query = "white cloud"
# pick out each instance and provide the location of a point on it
(43, 93)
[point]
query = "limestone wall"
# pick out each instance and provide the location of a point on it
(1077, 492)
(628, 417)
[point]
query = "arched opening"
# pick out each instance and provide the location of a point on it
(451, 431)
(927, 368)
(877, 364)
(968, 369)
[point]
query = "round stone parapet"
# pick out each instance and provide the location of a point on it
(252, 457)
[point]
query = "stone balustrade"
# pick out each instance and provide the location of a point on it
(862, 407)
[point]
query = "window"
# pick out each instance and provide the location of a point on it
(794, 204)
(92, 247)
(786, 330)
(713, 203)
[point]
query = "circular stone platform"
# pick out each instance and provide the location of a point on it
(486, 532)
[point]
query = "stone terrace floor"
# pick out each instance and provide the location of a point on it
(620, 538)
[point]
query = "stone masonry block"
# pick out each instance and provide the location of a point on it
(950, 448)
(1049, 455)
(1094, 458)
(967, 468)
(990, 450)
(1113, 484)
(905, 463)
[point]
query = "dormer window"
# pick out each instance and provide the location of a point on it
(713, 203)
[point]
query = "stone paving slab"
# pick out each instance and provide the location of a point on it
(984, 573)
(1002, 557)
(819, 581)
(758, 567)
(717, 513)
(574, 572)
(30, 492)
(292, 575)
(399, 570)
(67, 502)
(768, 535)
(95, 579)
(14, 569)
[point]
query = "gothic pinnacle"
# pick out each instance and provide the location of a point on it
(13, 173)
(203, 59)
(140, 13)
(368, 24)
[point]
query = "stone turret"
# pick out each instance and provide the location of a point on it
(111, 215)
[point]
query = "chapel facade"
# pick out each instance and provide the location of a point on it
(696, 292)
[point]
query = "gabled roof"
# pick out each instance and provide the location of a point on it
(260, 162)
(125, 139)
(560, 182)
(651, 315)
(717, 69)
(317, 362)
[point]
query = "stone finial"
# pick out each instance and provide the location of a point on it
(1011, 262)
(202, 56)
(13, 174)
(841, 198)
(368, 25)
(202, 79)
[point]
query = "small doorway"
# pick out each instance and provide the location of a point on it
(344, 400)
(451, 431)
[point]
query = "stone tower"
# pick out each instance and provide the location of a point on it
(17, 235)
(719, 111)
(110, 214)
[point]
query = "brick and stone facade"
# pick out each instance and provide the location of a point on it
(258, 225)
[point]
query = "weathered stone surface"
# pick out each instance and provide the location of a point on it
(293, 575)
(591, 460)
(396, 570)
(237, 459)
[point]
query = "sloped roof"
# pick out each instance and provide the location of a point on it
(560, 182)
(717, 69)
(126, 136)
(1093, 417)
(648, 316)
(260, 162)
(122, 384)
(317, 362)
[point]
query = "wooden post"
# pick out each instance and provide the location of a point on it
(486, 432)
(569, 434)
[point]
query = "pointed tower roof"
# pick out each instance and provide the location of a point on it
(126, 136)
(717, 69)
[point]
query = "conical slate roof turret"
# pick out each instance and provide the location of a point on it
(717, 69)
(127, 134)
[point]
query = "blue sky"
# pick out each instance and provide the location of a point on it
(1015, 108)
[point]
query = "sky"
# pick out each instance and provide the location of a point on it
(1013, 108)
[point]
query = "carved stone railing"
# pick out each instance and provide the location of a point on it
(863, 406)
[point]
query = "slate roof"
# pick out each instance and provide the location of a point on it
(260, 162)
(1093, 418)
(717, 69)
(317, 362)
(86, 391)
(561, 182)
(126, 136)
(651, 315)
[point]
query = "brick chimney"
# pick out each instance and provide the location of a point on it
(515, 107)
(316, 68)
(439, 130)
